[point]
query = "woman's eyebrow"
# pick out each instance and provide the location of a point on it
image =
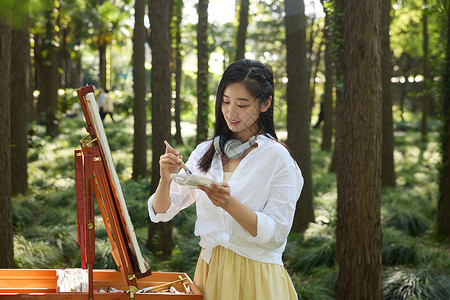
(240, 99)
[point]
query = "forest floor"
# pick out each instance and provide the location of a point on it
(416, 262)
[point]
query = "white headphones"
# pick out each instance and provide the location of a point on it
(232, 148)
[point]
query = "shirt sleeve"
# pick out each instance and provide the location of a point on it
(180, 196)
(275, 220)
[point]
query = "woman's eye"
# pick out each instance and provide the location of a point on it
(243, 106)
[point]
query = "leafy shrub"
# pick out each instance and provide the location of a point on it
(136, 194)
(397, 249)
(423, 285)
(413, 222)
(25, 210)
(306, 259)
(434, 258)
(103, 256)
(320, 286)
(31, 254)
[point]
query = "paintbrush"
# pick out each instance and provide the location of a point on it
(181, 161)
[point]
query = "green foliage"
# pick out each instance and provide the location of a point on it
(36, 254)
(407, 21)
(187, 250)
(397, 249)
(412, 222)
(321, 253)
(320, 286)
(424, 284)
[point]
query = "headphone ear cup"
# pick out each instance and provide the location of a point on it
(230, 149)
(219, 142)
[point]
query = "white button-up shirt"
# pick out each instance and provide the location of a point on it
(267, 180)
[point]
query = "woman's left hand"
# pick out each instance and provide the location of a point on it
(218, 194)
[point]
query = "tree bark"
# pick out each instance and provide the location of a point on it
(327, 131)
(20, 100)
(102, 62)
(48, 68)
(78, 76)
(6, 224)
(160, 234)
(242, 29)
(178, 71)
(338, 52)
(426, 74)
(298, 112)
(139, 88)
(443, 218)
(358, 242)
(202, 71)
(387, 143)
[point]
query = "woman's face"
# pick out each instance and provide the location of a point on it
(241, 110)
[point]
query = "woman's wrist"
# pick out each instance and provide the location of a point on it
(229, 203)
(165, 182)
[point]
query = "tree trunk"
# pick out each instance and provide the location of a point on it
(314, 63)
(327, 131)
(102, 63)
(426, 74)
(65, 59)
(298, 112)
(178, 71)
(358, 236)
(202, 71)
(78, 78)
(242, 29)
(387, 144)
(6, 224)
(48, 68)
(338, 51)
(443, 218)
(20, 100)
(139, 88)
(160, 234)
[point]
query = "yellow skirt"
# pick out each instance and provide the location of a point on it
(230, 276)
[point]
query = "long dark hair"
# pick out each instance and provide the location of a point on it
(257, 79)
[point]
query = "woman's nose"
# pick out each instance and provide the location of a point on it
(232, 108)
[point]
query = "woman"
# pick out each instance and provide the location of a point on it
(244, 221)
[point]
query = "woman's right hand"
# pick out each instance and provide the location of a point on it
(169, 163)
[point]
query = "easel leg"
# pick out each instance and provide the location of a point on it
(90, 223)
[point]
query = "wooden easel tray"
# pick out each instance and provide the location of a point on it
(42, 284)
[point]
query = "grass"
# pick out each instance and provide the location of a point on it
(415, 261)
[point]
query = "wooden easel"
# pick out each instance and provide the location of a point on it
(93, 180)
(96, 179)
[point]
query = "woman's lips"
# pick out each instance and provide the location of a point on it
(232, 122)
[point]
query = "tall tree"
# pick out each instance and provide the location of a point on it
(20, 96)
(358, 236)
(298, 111)
(178, 14)
(139, 88)
(160, 234)
(337, 30)
(107, 18)
(444, 188)
(6, 224)
(327, 106)
(202, 71)
(426, 72)
(48, 68)
(242, 29)
(387, 143)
